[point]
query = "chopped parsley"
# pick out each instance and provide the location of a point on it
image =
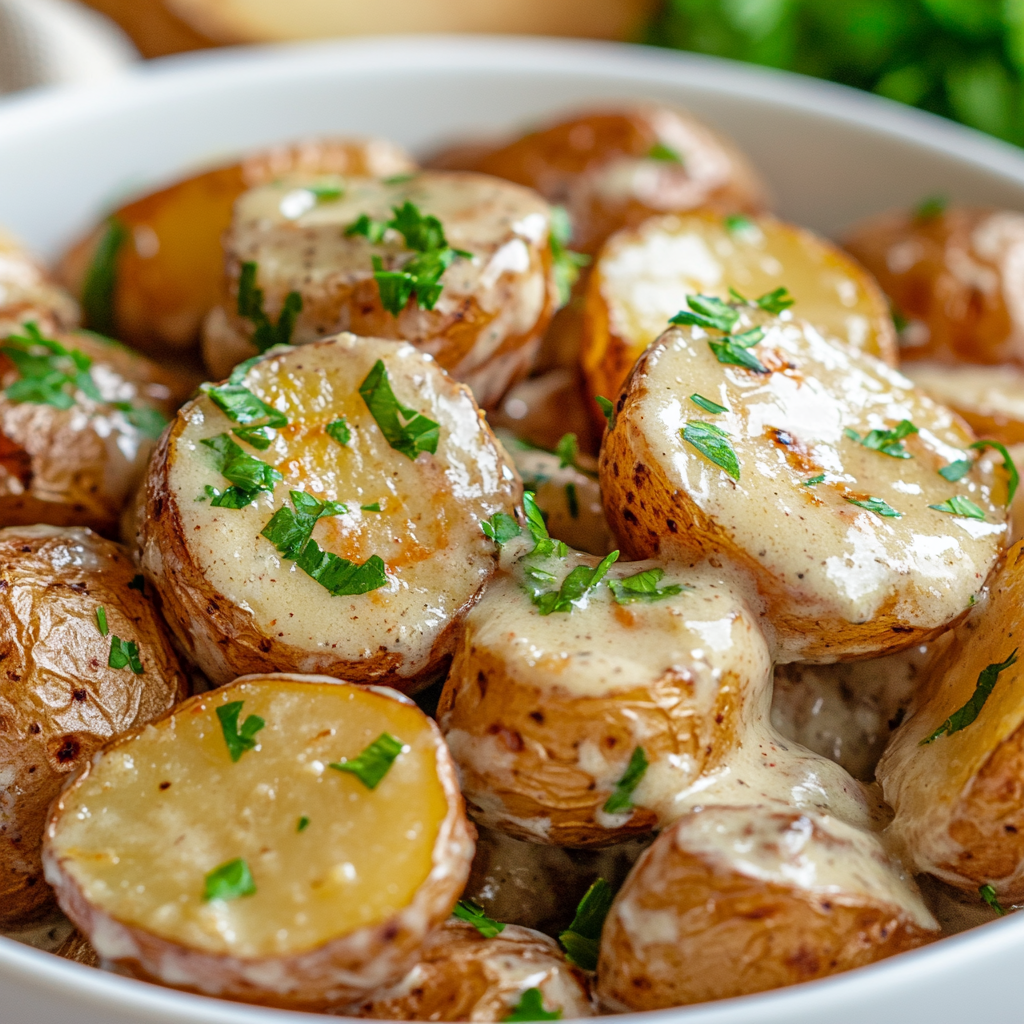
(339, 431)
(708, 312)
(888, 442)
(565, 264)
(501, 528)
(734, 350)
(572, 501)
(775, 302)
(960, 506)
(266, 333)
(231, 881)
(643, 586)
(531, 1007)
(325, 191)
(988, 894)
(580, 581)
(374, 762)
(144, 418)
(375, 507)
(248, 475)
(964, 716)
(607, 407)
(100, 286)
(406, 430)
(49, 373)
(956, 470)
(124, 654)
(931, 208)
(238, 740)
(467, 910)
(582, 938)
(1008, 465)
(707, 405)
(568, 451)
(876, 505)
(737, 222)
(543, 543)
(621, 798)
(302, 824)
(666, 154)
(101, 620)
(254, 416)
(814, 481)
(713, 443)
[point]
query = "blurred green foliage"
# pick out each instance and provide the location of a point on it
(960, 58)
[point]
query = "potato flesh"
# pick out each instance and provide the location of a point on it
(140, 850)
(427, 531)
(787, 427)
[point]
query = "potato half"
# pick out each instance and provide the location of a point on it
(154, 268)
(958, 793)
(644, 275)
(494, 301)
(463, 975)
(289, 840)
(735, 900)
(548, 714)
(61, 698)
(380, 594)
(79, 417)
(27, 292)
(955, 278)
(818, 479)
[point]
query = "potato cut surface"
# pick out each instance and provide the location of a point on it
(644, 275)
(327, 855)
(417, 520)
(818, 479)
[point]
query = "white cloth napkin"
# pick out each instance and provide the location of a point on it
(49, 42)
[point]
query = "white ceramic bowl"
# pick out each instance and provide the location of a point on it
(831, 156)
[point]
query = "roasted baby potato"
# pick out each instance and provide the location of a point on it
(85, 656)
(79, 416)
(464, 975)
(460, 265)
(27, 292)
(152, 270)
(954, 276)
(613, 168)
(579, 723)
(304, 516)
(953, 771)
(293, 840)
(811, 467)
(644, 276)
(735, 900)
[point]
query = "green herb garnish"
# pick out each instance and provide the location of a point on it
(931, 208)
(101, 620)
(49, 373)
(572, 500)
(568, 451)
(406, 430)
(988, 894)
(565, 264)
(266, 333)
(124, 654)
(582, 938)
(238, 740)
(374, 762)
(708, 312)
(248, 475)
(733, 351)
(574, 587)
(621, 798)
(713, 443)
(339, 431)
(231, 881)
(964, 716)
(960, 506)
(737, 222)
(814, 481)
(1008, 465)
(467, 910)
(643, 586)
(876, 505)
(302, 824)
(956, 470)
(543, 543)
(375, 507)
(775, 302)
(100, 286)
(531, 1007)
(501, 528)
(888, 442)
(325, 191)
(607, 406)
(707, 405)
(659, 151)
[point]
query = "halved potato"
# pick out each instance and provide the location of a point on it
(27, 292)
(954, 276)
(68, 599)
(550, 715)
(380, 594)
(818, 480)
(735, 900)
(154, 268)
(220, 850)
(954, 777)
(492, 303)
(644, 276)
(79, 416)
(463, 975)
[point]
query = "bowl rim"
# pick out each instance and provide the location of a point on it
(198, 72)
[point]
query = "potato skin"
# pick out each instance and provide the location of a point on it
(954, 276)
(60, 702)
(959, 800)
(170, 268)
(331, 975)
(461, 975)
(28, 292)
(714, 932)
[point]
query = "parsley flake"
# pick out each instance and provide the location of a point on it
(888, 442)
(374, 762)
(876, 505)
(1008, 465)
(565, 264)
(931, 208)
(713, 443)
(100, 286)
(302, 824)
(775, 302)
(708, 312)
(964, 716)
(960, 506)
(581, 939)
(248, 475)
(607, 407)
(124, 654)
(501, 528)
(375, 507)
(406, 430)
(666, 154)
(643, 586)
(956, 470)
(238, 740)
(231, 881)
(572, 501)
(339, 431)
(101, 620)
(580, 581)
(266, 333)
(707, 405)
(531, 1007)
(49, 373)
(737, 223)
(733, 350)
(621, 798)
(814, 481)
(467, 910)
(988, 894)
(543, 543)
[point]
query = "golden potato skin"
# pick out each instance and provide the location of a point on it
(28, 292)
(959, 800)
(170, 266)
(59, 701)
(955, 276)
(722, 933)
(461, 975)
